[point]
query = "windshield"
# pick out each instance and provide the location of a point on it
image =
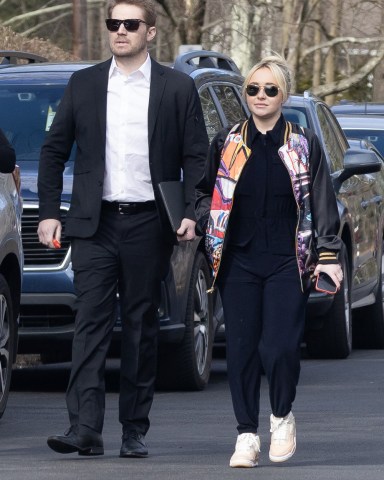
(26, 114)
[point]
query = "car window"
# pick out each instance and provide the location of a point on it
(26, 114)
(296, 115)
(376, 137)
(211, 115)
(230, 103)
(334, 142)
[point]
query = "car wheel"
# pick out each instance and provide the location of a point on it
(334, 338)
(7, 342)
(187, 366)
(368, 322)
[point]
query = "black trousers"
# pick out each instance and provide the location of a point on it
(264, 311)
(127, 255)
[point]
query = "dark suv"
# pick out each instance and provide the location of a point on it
(189, 317)
(358, 182)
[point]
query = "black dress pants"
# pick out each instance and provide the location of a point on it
(264, 311)
(127, 255)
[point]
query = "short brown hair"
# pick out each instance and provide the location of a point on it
(147, 6)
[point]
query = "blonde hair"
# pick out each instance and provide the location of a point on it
(280, 70)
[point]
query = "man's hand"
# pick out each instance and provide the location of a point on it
(186, 231)
(49, 230)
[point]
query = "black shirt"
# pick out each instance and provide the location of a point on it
(264, 208)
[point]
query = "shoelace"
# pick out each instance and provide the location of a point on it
(280, 428)
(247, 441)
(133, 434)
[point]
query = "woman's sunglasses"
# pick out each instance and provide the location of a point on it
(131, 24)
(269, 90)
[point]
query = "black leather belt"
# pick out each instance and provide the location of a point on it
(128, 208)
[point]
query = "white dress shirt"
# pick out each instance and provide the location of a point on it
(127, 177)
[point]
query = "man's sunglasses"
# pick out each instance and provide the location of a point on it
(269, 90)
(131, 24)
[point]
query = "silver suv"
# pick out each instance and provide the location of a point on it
(11, 265)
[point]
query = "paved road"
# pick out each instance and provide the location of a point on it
(339, 412)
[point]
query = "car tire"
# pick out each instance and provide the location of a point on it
(187, 366)
(7, 342)
(334, 338)
(368, 322)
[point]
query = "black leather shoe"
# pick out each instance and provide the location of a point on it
(133, 445)
(71, 441)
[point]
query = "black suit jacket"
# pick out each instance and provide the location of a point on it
(176, 134)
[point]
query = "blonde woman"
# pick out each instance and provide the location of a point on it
(265, 190)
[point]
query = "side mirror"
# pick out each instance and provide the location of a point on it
(358, 162)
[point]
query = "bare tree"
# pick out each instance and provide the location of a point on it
(323, 40)
(79, 29)
(186, 19)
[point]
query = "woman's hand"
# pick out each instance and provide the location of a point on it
(333, 270)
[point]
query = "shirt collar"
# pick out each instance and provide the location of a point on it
(275, 133)
(145, 68)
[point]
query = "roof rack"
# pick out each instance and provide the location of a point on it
(196, 59)
(11, 57)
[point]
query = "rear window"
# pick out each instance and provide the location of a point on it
(376, 137)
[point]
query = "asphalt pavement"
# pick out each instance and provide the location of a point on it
(339, 414)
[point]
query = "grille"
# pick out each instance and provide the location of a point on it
(36, 254)
(45, 316)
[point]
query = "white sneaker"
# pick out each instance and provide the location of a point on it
(247, 451)
(283, 438)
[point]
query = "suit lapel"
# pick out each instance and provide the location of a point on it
(158, 82)
(100, 97)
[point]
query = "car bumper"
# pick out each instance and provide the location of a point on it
(47, 313)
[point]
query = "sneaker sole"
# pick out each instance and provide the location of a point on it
(243, 464)
(283, 458)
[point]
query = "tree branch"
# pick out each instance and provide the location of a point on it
(338, 40)
(336, 87)
(168, 11)
(43, 24)
(41, 11)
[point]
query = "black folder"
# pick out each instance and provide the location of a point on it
(172, 194)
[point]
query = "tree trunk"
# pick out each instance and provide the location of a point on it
(79, 26)
(316, 77)
(378, 73)
(334, 31)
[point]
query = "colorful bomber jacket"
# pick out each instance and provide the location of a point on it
(317, 214)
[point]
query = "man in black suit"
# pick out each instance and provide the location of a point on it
(135, 124)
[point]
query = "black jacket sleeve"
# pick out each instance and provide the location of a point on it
(7, 155)
(325, 214)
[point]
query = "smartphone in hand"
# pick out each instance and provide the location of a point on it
(324, 283)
